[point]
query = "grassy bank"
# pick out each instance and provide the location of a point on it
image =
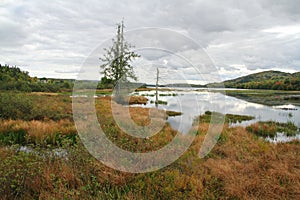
(228, 118)
(267, 97)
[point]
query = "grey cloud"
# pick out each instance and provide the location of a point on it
(57, 33)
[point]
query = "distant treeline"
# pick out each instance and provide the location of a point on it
(270, 80)
(13, 78)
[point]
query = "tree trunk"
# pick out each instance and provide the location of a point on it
(157, 74)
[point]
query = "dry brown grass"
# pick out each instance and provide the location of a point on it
(137, 100)
(45, 93)
(139, 116)
(240, 166)
(251, 168)
(38, 131)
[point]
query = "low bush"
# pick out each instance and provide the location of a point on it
(15, 106)
(42, 106)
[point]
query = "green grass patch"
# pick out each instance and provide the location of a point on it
(271, 128)
(148, 95)
(160, 102)
(103, 92)
(13, 137)
(229, 118)
(168, 95)
(173, 113)
(237, 118)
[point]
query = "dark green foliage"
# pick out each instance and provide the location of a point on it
(12, 78)
(148, 95)
(59, 139)
(8, 74)
(116, 62)
(13, 137)
(15, 106)
(165, 95)
(105, 83)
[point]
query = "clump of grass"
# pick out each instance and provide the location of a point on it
(148, 95)
(173, 113)
(237, 118)
(104, 92)
(36, 132)
(166, 95)
(271, 128)
(160, 102)
(229, 118)
(13, 137)
(137, 100)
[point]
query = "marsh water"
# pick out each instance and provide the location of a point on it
(194, 102)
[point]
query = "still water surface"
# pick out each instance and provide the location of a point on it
(193, 103)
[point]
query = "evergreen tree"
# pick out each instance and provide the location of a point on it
(116, 62)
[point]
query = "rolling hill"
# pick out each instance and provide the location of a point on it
(274, 80)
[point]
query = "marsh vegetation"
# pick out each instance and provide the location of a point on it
(241, 165)
(43, 157)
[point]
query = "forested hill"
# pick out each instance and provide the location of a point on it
(13, 78)
(8, 74)
(274, 80)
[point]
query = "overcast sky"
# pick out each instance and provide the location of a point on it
(54, 38)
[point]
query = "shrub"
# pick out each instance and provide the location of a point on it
(15, 106)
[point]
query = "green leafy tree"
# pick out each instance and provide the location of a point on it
(116, 62)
